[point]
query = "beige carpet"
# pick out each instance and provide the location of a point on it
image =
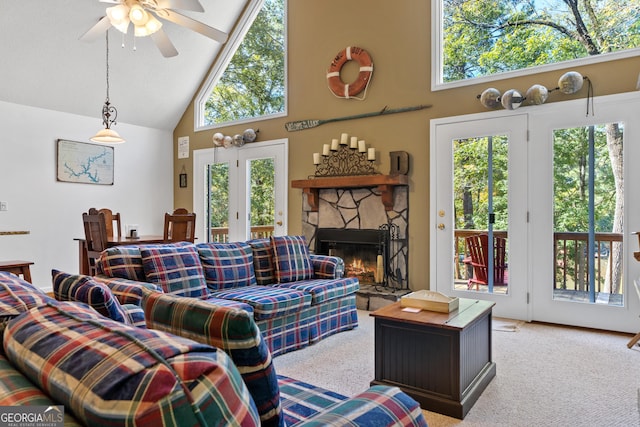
(546, 375)
(506, 325)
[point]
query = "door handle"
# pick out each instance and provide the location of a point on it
(441, 226)
(279, 223)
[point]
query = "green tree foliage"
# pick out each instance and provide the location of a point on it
(262, 192)
(483, 37)
(470, 182)
(571, 198)
(253, 83)
(219, 195)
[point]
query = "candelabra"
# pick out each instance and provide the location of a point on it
(344, 160)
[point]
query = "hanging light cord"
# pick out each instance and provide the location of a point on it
(589, 97)
(107, 50)
(109, 112)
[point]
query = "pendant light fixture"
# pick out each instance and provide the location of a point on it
(109, 114)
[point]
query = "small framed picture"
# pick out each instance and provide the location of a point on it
(183, 180)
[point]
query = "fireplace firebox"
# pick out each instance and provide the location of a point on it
(365, 252)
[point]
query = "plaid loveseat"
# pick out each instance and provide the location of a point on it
(280, 400)
(296, 298)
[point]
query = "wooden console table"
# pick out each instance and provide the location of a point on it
(442, 360)
(18, 268)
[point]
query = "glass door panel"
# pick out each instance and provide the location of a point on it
(262, 202)
(588, 214)
(479, 241)
(218, 202)
(480, 175)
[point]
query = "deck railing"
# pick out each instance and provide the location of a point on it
(221, 234)
(570, 254)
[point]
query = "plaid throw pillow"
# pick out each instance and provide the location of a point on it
(263, 261)
(124, 262)
(177, 269)
(227, 265)
(72, 287)
(18, 295)
(291, 258)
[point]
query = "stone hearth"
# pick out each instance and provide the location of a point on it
(371, 297)
(365, 206)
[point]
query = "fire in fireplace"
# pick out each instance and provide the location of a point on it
(365, 252)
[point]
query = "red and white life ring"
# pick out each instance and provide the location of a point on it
(336, 85)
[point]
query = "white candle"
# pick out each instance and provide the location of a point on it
(325, 150)
(344, 139)
(354, 142)
(362, 147)
(371, 154)
(316, 158)
(334, 145)
(379, 274)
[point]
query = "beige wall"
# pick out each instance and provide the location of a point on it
(398, 37)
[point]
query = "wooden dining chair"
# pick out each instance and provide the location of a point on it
(95, 233)
(179, 227)
(112, 221)
(478, 247)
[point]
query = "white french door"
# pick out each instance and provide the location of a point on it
(571, 209)
(584, 277)
(478, 188)
(241, 189)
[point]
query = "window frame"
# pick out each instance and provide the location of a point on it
(222, 62)
(437, 44)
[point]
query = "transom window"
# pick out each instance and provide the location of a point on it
(475, 39)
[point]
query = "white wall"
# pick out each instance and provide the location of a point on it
(52, 211)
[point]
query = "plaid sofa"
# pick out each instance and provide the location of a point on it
(296, 298)
(110, 373)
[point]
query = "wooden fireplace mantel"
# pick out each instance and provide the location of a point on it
(384, 183)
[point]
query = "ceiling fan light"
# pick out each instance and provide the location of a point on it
(118, 13)
(119, 17)
(138, 15)
(141, 31)
(153, 24)
(107, 136)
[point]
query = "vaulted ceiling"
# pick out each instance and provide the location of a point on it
(44, 64)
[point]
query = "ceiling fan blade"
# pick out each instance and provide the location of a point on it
(194, 25)
(97, 30)
(193, 5)
(110, 1)
(165, 46)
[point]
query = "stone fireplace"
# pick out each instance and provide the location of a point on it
(367, 214)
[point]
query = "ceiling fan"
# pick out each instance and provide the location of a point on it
(144, 14)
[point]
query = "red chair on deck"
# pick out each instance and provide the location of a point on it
(478, 247)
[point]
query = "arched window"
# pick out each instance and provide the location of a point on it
(248, 81)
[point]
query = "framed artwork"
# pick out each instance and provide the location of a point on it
(84, 163)
(183, 180)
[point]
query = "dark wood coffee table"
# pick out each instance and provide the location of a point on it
(442, 360)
